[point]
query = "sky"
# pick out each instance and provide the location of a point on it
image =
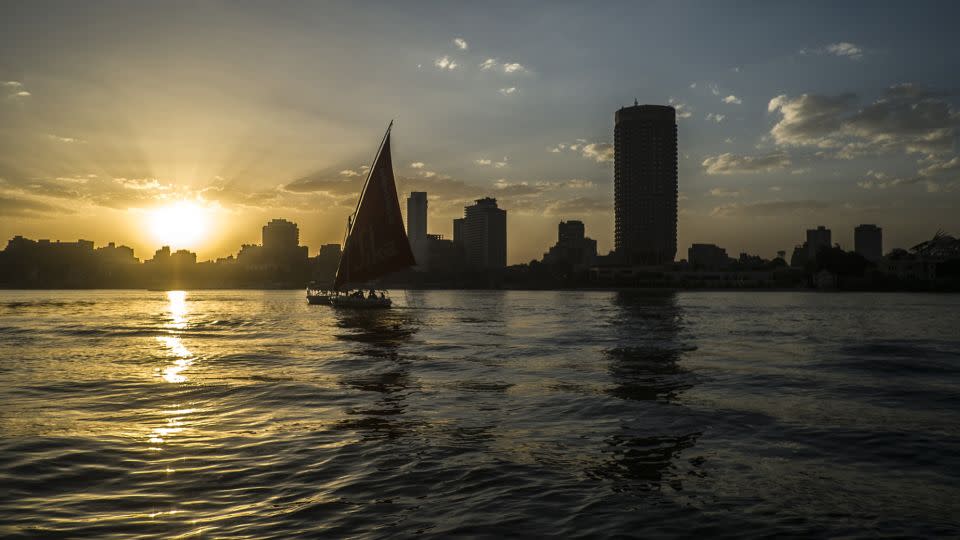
(194, 123)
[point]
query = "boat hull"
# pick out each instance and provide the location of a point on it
(360, 303)
(319, 299)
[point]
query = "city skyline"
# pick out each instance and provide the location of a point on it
(229, 117)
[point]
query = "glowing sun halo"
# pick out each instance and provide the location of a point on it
(179, 225)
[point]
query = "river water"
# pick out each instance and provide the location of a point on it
(482, 414)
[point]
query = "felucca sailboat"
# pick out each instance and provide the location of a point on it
(376, 243)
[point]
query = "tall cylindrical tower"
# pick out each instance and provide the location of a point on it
(645, 184)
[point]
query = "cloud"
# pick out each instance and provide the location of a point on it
(349, 173)
(683, 110)
(761, 209)
(882, 180)
(23, 93)
(715, 117)
(460, 43)
(513, 67)
(445, 63)
(578, 183)
(483, 162)
(428, 174)
(67, 140)
(842, 49)
(12, 206)
(417, 165)
(725, 193)
(941, 167)
(599, 152)
(693, 85)
(732, 100)
(321, 182)
(520, 189)
(845, 49)
(578, 206)
(728, 140)
(906, 118)
(508, 91)
(489, 63)
(714, 89)
(728, 163)
(13, 84)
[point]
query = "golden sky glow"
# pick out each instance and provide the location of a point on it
(252, 112)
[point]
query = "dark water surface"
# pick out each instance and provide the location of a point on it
(253, 414)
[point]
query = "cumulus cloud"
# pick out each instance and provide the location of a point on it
(578, 183)
(460, 43)
(728, 163)
(508, 91)
(506, 188)
(13, 84)
(482, 162)
(715, 117)
(349, 173)
(905, 118)
(513, 67)
(732, 100)
(761, 209)
(445, 63)
(601, 152)
(417, 165)
(488, 64)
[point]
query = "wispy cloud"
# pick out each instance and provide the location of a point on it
(489, 63)
(460, 43)
(508, 91)
(842, 49)
(417, 165)
(732, 100)
(725, 192)
(728, 163)
(715, 117)
(513, 67)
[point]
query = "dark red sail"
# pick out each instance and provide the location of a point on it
(377, 242)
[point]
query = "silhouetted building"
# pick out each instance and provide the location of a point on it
(800, 256)
(443, 255)
(816, 239)
(281, 235)
(707, 257)
(868, 242)
(458, 224)
(417, 227)
(572, 246)
(645, 184)
(484, 232)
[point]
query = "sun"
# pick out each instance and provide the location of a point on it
(181, 224)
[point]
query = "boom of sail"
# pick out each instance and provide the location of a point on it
(376, 242)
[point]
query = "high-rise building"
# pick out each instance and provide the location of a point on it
(280, 235)
(484, 232)
(868, 242)
(816, 239)
(645, 184)
(417, 226)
